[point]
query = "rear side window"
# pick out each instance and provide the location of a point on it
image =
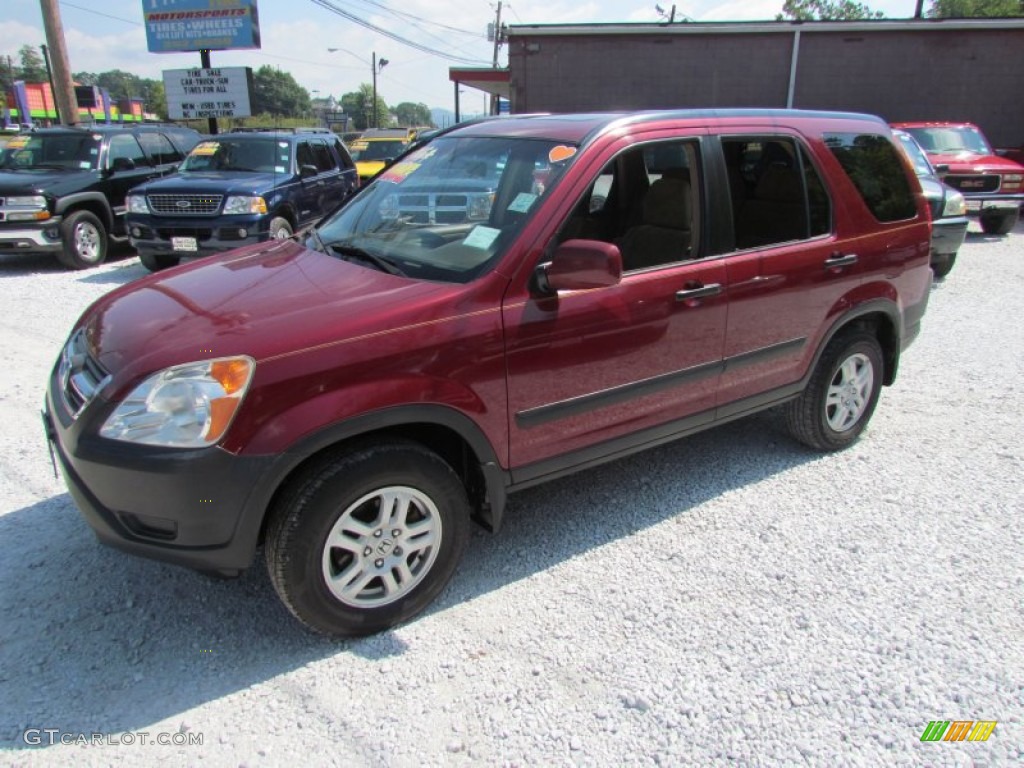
(324, 158)
(159, 148)
(343, 155)
(876, 171)
(777, 194)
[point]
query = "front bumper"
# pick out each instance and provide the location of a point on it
(154, 235)
(41, 238)
(198, 508)
(948, 234)
(993, 202)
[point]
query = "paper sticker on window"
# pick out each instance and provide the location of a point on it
(481, 237)
(283, 144)
(84, 164)
(560, 153)
(522, 202)
(206, 148)
(17, 142)
(398, 172)
(279, 169)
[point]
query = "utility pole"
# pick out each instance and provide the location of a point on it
(64, 94)
(497, 43)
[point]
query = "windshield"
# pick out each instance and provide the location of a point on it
(950, 139)
(448, 210)
(917, 158)
(56, 151)
(363, 151)
(265, 155)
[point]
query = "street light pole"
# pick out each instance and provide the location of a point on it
(383, 63)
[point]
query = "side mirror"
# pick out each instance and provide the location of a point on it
(307, 170)
(122, 164)
(580, 265)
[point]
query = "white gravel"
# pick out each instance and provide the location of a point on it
(729, 598)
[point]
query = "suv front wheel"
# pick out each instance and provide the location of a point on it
(362, 541)
(154, 262)
(84, 241)
(841, 396)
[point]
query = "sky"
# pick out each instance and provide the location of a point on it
(296, 36)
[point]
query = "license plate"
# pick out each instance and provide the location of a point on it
(184, 244)
(973, 205)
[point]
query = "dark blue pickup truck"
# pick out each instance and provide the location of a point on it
(238, 188)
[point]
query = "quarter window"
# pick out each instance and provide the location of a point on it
(876, 171)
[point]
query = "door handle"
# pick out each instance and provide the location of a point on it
(840, 260)
(699, 292)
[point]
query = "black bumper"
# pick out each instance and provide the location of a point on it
(948, 234)
(198, 508)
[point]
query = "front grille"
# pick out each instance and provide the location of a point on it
(80, 375)
(987, 182)
(434, 208)
(185, 205)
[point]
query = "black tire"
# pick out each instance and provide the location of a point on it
(84, 240)
(999, 222)
(829, 426)
(280, 228)
(341, 494)
(942, 264)
(154, 262)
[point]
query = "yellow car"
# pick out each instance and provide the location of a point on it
(372, 154)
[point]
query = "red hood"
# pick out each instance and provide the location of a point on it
(262, 300)
(973, 162)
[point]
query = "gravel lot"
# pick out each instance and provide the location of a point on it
(731, 597)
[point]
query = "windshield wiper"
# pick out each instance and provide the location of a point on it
(381, 263)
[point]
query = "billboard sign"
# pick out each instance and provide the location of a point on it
(197, 93)
(173, 26)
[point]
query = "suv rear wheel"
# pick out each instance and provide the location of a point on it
(999, 222)
(841, 396)
(84, 241)
(366, 539)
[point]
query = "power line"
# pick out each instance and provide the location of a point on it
(105, 15)
(414, 17)
(391, 35)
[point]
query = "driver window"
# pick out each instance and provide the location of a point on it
(646, 202)
(125, 147)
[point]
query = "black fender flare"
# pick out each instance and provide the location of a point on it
(90, 200)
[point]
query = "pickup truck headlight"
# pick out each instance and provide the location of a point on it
(185, 406)
(1012, 182)
(955, 204)
(245, 204)
(137, 204)
(33, 208)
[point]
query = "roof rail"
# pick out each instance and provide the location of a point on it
(301, 129)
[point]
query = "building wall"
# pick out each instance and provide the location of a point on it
(975, 74)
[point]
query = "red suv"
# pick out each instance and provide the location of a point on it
(992, 185)
(353, 397)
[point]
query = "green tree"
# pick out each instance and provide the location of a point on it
(823, 10)
(33, 68)
(276, 93)
(971, 9)
(155, 98)
(409, 114)
(359, 103)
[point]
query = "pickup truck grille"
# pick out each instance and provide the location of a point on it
(973, 184)
(81, 376)
(185, 205)
(424, 208)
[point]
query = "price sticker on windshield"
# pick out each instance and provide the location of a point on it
(206, 148)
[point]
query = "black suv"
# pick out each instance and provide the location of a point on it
(62, 190)
(238, 188)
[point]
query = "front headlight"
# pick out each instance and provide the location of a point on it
(27, 208)
(186, 406)
(245, 204)
(955, 204)
(137, 204)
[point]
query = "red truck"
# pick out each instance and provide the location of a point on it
(992, 185)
